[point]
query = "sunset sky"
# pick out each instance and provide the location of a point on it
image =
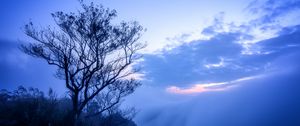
(208, 62)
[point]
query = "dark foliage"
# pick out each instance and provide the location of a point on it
(31, 107)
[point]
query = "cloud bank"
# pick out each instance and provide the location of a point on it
(204, 81)
(232, 51)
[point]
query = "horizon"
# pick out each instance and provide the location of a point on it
(214, 62)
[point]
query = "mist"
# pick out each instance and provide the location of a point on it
(270, 100)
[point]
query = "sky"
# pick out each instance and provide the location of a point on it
(207, 63)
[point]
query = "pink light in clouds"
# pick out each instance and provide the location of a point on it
(199, 88)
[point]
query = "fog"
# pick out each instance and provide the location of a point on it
(270, 100)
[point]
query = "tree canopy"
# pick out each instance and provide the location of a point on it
(93, 55)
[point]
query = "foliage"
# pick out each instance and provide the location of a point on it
(30, 107)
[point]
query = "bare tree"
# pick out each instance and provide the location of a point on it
(93, 55)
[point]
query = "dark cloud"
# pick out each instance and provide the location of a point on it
(16, 68)
(290, 39)
(185, 64)
(271, 10)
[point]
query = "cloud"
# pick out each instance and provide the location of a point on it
(217, 59)
(260, 101)
(230, 51)
(10, 54)
(216, 65)
(260, 57)
(199, 88)
(271, 11)
(187, 62)
(16, 68)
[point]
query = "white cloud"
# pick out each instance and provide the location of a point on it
(216, 65)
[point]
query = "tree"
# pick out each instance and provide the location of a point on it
(93, 56)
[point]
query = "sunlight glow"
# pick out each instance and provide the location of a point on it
(199, 88)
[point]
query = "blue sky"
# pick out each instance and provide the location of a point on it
(214, 62)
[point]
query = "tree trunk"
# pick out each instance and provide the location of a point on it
(75, 111)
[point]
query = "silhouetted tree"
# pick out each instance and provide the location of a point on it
(93, 56)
